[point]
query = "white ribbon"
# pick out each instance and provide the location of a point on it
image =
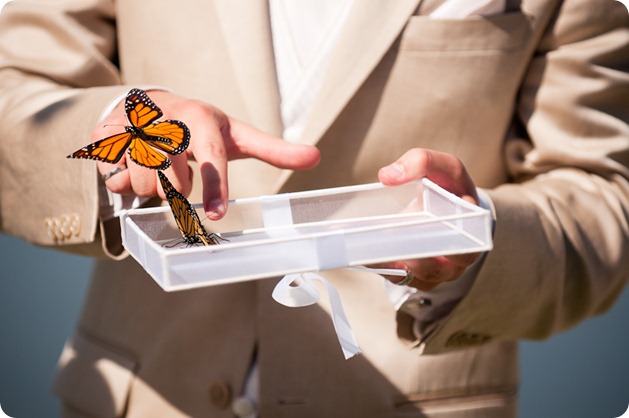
(297, 293)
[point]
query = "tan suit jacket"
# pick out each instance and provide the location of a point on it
(534, 101)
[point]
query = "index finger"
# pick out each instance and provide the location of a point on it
(208, 149)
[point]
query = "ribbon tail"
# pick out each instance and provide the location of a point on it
(344, 331)
(305, 293)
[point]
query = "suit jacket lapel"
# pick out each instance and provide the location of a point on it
(247, 29)
(429, 6)
(371, 27)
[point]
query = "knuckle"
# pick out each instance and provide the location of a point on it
(216, 149)
(419, 156)
(195, 109)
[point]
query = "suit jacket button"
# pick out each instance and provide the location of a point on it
(50, 228)
(74, 224)
(54, 229)
(220, 394)
(64, 226)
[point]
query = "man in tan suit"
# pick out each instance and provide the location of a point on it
(529, 103)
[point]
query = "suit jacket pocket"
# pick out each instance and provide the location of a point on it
(94, 378)
(475, 33)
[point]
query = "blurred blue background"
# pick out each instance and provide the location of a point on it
(583, 373)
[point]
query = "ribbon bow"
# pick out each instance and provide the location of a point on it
(297, 290)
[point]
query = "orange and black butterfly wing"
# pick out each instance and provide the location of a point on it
(141, 111)
(201, 235)
(109, 149)
(167, 186)
(178, 207)
(143, 138)
(199, 230)
(172, 136)
(142, 153)
(185, 216)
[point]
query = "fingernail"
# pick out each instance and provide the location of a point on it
(215, 209)
(394, 171)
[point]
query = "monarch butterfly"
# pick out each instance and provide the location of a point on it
(144, 134)
(186, 217)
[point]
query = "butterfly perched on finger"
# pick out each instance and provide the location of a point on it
(143, 138)
(186, 217)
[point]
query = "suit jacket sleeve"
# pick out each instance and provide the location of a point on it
(561, 243)
(56, 76)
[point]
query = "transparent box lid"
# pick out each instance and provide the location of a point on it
(271, 236)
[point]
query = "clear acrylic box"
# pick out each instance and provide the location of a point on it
(271, 236)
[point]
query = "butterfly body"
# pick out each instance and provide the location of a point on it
(136, 132)
(186, 217)
(143, 138)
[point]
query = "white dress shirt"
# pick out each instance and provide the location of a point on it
(304, 34)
